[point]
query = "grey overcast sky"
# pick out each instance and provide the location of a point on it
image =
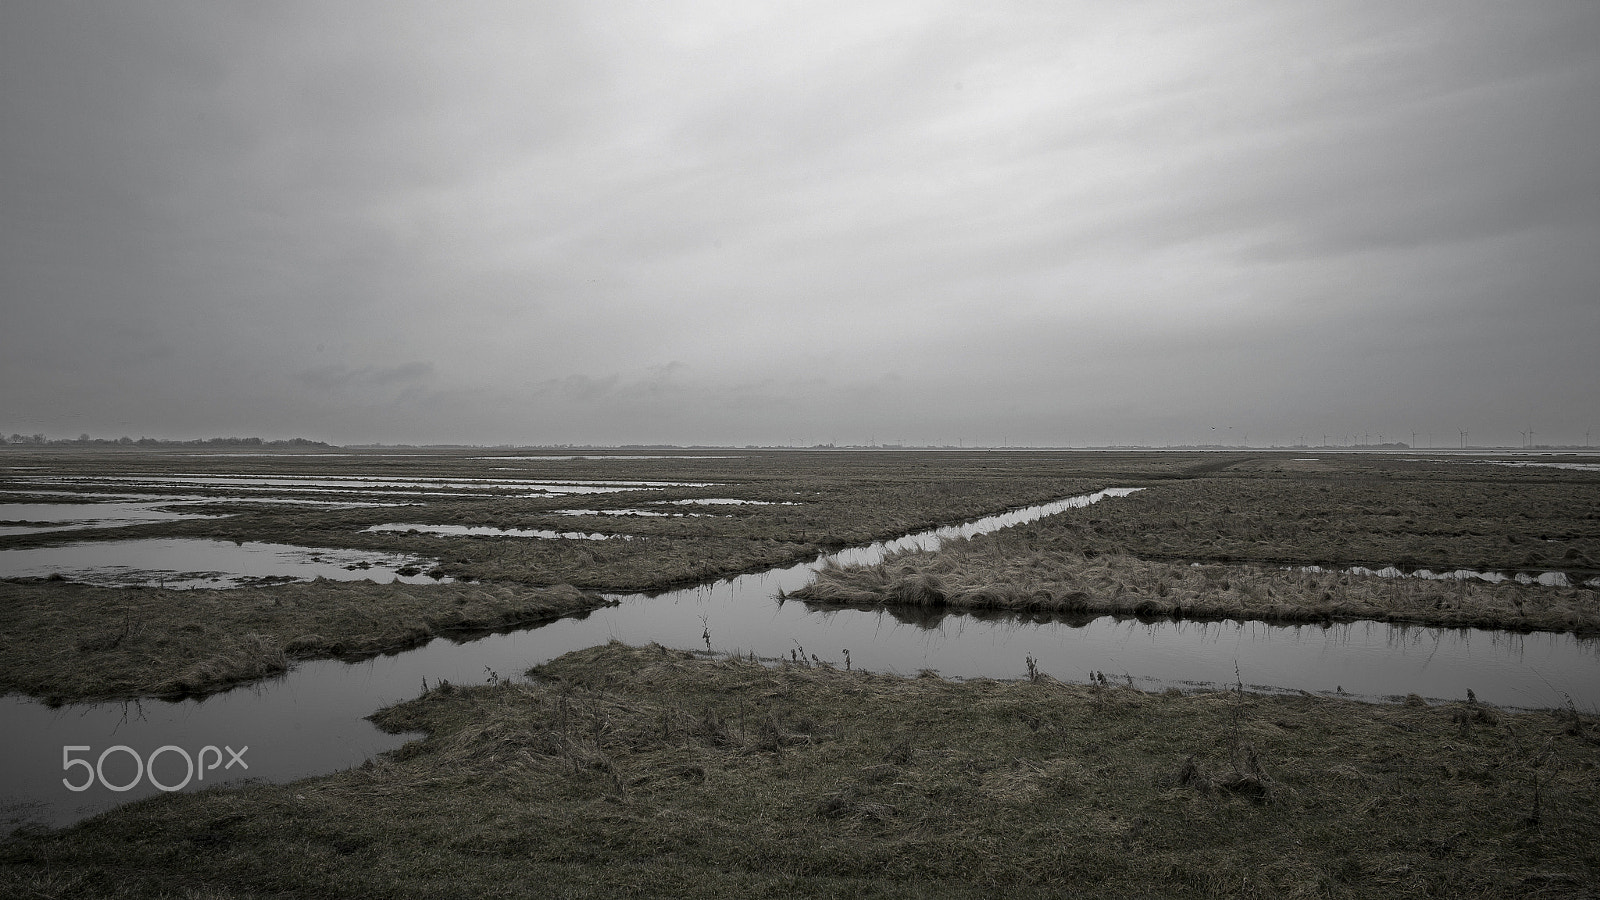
(597, 222)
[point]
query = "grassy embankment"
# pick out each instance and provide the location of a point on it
(73, 642)
(1244, 526)
(647, 772)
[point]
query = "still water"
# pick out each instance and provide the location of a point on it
(491, 531)
(205, 563)
(37, 518)
(311, 720)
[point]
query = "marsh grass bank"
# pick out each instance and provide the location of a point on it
(643, 771)
(72, 642)
(1220, 547)
(1017, 571)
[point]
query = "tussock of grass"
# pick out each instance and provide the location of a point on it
(71, 642)
(642, 771)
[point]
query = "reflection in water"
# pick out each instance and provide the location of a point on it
(650, 513)
(311, 721)
(357, 484)
(1545, 579)
(37, 518)
(491, 531)
(618, 457)
(201, 563)
(724, 501)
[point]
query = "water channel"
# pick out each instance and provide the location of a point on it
(311, 721)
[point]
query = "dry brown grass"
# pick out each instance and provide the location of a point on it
(641, 771)
(1010, 571)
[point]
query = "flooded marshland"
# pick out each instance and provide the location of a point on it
(37, 518)
(190, 563)
(490, 531)
(311, 720)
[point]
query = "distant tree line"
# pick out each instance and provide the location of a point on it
(84, 440)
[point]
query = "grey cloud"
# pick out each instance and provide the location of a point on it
(580, 388)
(727, 223)
(652, 383)
(339, 377)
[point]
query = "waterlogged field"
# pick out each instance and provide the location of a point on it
(769, 508)
(1268, 537)
(620, 770)
(429, 519)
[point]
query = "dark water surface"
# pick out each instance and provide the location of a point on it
(311, 720)
(205, 563)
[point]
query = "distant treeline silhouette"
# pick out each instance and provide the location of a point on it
(221, 442)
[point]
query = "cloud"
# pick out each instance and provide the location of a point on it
(718, 220)
(338, 377)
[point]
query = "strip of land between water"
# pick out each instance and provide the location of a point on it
(1012, 572)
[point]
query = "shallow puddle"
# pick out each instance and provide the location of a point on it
(201, 563)
(1519, 463)
(724, 501)
(613, 458)
(1544, 579)
(421, 485)
(311, 721)
(490, 531)
(37, 518)
(649, 513)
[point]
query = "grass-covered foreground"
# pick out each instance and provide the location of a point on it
(74, 642)
(650, 772)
